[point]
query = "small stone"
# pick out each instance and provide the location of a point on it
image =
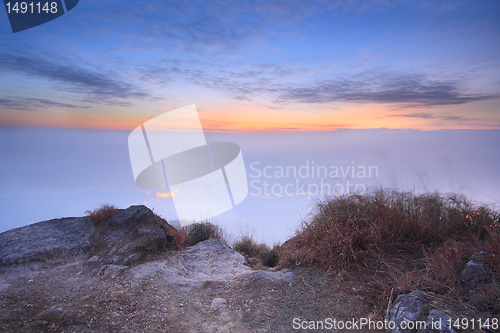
(218, 303)
(128, 248)
(116, 260)
(110, 271)
(132, 259)
(51, 315)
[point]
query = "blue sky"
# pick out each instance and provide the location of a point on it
(322, 64)
(410, 86)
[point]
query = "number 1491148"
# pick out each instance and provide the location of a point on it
(31, 7)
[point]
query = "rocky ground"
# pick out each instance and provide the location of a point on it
(127, 277)
(128, 273)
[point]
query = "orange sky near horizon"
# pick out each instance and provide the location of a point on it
(251, 118)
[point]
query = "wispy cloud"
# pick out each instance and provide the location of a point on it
(437, 118)
(411, 90)
(290, 85)
(23, 103)
(97, 87)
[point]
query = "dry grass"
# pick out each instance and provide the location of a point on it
(199, 232)
(100, 215)
(396, 241)
(257, 254)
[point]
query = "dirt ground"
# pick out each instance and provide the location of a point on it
(86, 303)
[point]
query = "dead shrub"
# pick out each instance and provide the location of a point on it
(396, 241)
(101, 215)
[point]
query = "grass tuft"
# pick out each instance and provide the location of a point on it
(100, 215)
(257, 253)
(199, 232)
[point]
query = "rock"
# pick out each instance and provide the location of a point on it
(218, 303)
(116, 260)
(270, 276)
(260, 275)
(474, 273)
(51, 315)
(132, 259)
(135, 230)
(209, 260)
(154, 239)
(438, 321)
(408, 307)
(110, 271)
(128, 248)
(414, 307)
(45, 240)
(131, 218)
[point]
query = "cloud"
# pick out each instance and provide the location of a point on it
(97, 87)
(23, 104)
(411, 90)
(284, 85)
(438, 118)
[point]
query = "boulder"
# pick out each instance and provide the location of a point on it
(475, 272)
(207, 261)
(58, 238)
(130, 234)
(409, 307)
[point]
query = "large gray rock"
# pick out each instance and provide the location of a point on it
(209, 260)
(475, 272)
(133, 232)
(123, 239)
(410, 307)
(46, 240)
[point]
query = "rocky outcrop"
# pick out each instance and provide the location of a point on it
(46, 240)
(129, 235)
(208, 261)
(123, 239)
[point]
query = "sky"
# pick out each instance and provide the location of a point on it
(409, 86)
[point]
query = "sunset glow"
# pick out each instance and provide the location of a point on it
(400, 65)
